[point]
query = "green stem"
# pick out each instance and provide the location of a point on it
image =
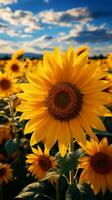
(57, 190)
(71, 172)
(1, 191)
(75, 176)
(12, 116)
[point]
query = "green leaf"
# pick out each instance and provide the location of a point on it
(68, 162)
(38, 191)
(62, 186)
(30, 191)
(86, 192)
(102, 133)
(73, 193)
(26, 195)
(51, 174)
(11, 146)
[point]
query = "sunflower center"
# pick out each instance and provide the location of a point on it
(64, 101)
(101, 163)
(2, 171)
(5, 84)
(15, 67)
(26, 66)
(44, 163)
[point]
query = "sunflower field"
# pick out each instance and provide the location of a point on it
(56, 126)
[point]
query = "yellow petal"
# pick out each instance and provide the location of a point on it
(53, 133)
(77, 131)
(83, 122)
(41, 130)
(82, 59)
(35, 121)
(64, 138)
(93, 120)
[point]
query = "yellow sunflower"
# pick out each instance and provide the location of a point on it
(5, 173)
(40, 162)
(104, 65)
(18, 54)
(108, 77)
(27, 65)
(97, 166)
(64, 99)
(7, 85)
(14, 68)
(109, 60)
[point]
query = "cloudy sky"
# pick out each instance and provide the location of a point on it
(39, 25)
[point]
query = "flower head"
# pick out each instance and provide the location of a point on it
(27, 65)
(40, 162)
(14, 68)
(64, 99)
(18, 54)
(5, 133)
(7, 85)
(5, 173)
(97, 166)
(109, 60)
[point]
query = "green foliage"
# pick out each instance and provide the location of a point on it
(80, 192)
(86, 192)
(52, 174)
(73, 193)
(11, 146)
(68, 162)
(36, 190)
(30, 191)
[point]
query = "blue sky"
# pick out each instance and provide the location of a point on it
(39, 25)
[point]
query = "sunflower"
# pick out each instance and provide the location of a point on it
(5, 173)
(27, 65)
(109, 60)
(40, 162)
(104, 65)
(108, 77)
(6, 133)
(18, 54)
(97, 166)
(64, 99)
(14, 68)
(7, 85)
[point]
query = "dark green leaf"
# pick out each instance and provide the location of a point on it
(30, 191)
(38, 191)
(68, 162)
(51, 174)
(86, 192)
(26, 195)
(11, 147)
(73, 193)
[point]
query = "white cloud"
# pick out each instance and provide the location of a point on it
(40, 44)
(7, 2)
(16, 20)
(65, 18)
(23, 23)
(91, 27)
(98, 50)
(18, 17)
(6, 46)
